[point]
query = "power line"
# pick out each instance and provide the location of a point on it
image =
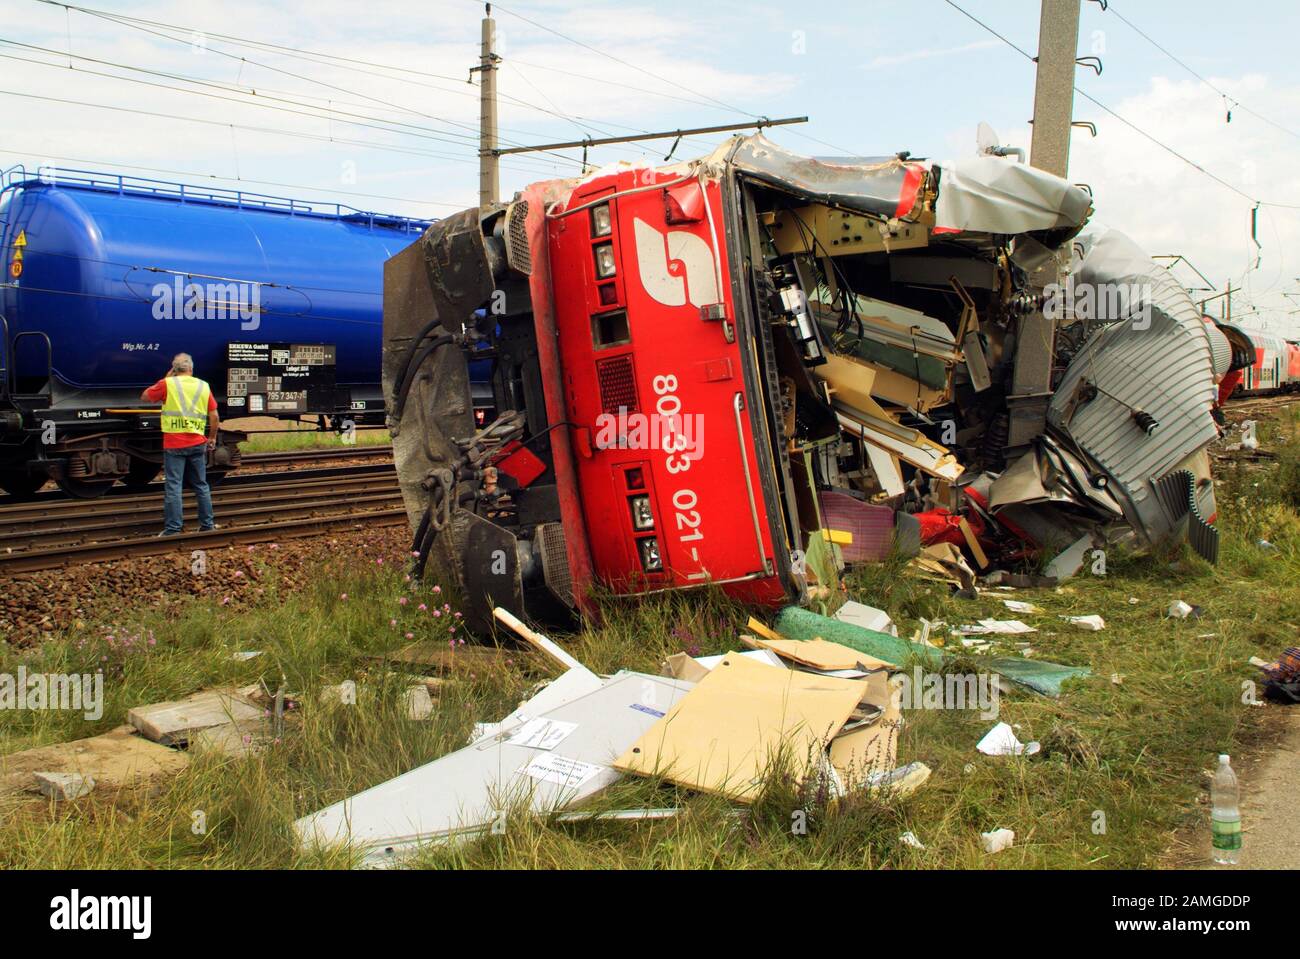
(1132, 126)
(1236, 104)
(236, 126)
(632, 66)
(429, 135)
(136, 24)
(341, 115)
(309, 56)
(650, 73)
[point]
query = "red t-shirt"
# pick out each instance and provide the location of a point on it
(178, 441)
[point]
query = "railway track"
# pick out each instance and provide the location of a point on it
(276, 457)
(237, 478)
(47, 534)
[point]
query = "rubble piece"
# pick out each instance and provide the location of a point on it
(945, 561)
(997, 627)
(973, 544)
(1001, 741)
(245, 657)
(233, 739)
(63, 786)
(901, 782)
(174, 723)
(796, 623)
(727, 733)
(865, 754)
(1002, 579)
(1039, 675)
(417, 702)
(860, 415)
(1070, 560)
(344, 693)
(909, 839)
(1181, 610)
(536, 639)
(118, 759)
(864, 532)
(997, 840)
(1016, 606)
(619, 815)
(818, 654)
(868, 617)
(1091, 622)
(473, 790)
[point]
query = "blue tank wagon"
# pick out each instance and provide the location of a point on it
(106, 277)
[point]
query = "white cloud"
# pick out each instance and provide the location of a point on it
(895, 59)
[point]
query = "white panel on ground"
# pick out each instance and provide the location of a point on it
(464, 793)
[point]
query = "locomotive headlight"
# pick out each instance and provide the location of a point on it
(600, 222)
(642, 518)
(605, 260)
(651, 561)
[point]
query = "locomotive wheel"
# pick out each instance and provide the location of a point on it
(85, 489)
(21, 482)
(141, 474)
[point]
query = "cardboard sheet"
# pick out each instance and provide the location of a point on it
(873, 749)
(819, 654)
(727, 733)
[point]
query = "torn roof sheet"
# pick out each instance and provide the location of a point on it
(980, 194)
(889, 188)
(995, 195)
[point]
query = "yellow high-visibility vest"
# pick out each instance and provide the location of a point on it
(185, 410)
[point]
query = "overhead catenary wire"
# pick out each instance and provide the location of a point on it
(270, 131)
(137, 25)
(328, 114)
(650, 73)
(320, 59)
(1128, 123)
(1236, 104)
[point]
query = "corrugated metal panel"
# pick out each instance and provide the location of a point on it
(1164, 369)
(1220, 348)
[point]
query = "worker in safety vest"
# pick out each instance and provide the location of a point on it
(189, 425)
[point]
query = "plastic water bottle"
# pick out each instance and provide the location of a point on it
(1225, 820)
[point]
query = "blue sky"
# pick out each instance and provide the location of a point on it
(874, 77)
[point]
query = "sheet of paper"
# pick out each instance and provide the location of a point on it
(561, 771)
(541, 733)
(1001, 741)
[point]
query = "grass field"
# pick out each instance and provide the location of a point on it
(1120, 771)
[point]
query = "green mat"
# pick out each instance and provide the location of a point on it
(796, 623)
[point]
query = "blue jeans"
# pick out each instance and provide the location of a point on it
(189, 465)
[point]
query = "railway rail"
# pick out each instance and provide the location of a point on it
(239, 477)
(260, 507)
